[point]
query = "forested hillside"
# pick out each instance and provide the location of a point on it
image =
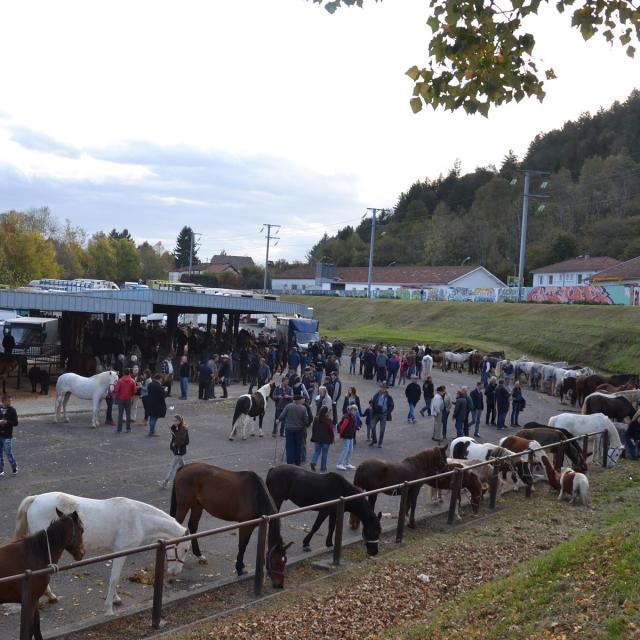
(593, 205)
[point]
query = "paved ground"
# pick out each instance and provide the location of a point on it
(77, 459)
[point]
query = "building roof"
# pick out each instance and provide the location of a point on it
(577, 265)
(628, 270)
(396, 275)
(207, 267)
(237, 262)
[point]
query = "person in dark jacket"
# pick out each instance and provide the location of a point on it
(8, 343)
(282, 396)
(205, 378)
(478, 406)
(347, 430)
(460, 412)
(254, 366)
(323, 437)
(183, 372)
(156, 404)
(224, 374)
(413, 392)
(490, 395)
(470, 409)
(516, 403)
(8, 420)
(427, 392)
(295, 418)
(178, 446)
(382, 405)
(351, 398)
(502, 403)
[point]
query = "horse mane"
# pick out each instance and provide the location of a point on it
(37, 543)
(265, 506)
(427, 458)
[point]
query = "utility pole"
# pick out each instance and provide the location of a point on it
(191, 255)
(525, 218)
(371, 246)
(269, 238)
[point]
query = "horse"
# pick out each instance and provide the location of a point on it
(304, 488)
(38, 551)
(546, 435)
(470, 481)
(427, 365)
(457, 360)
(610, 388)
(587, 385)
(575, 484)
(251, 406)
(616, 408)
(375, 474)
(113, 524)
(7, 365)
(579, 425)
(41, 377)
(518, 444)
(94, 388)
(234, 496)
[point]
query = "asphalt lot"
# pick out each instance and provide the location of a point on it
(76, 459)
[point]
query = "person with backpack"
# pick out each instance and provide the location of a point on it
(178, 446)
(347, 430)
(323, 437)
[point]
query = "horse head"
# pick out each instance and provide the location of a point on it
(460, 450)
(73, 532)
(442, 459)
(176, 555)
(275, 562)
(371, 530)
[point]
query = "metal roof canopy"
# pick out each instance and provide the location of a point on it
(143, 302)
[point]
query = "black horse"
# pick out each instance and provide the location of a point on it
(304, 488)
(41, 377)
(251, 405)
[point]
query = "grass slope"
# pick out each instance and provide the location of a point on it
(606, 338)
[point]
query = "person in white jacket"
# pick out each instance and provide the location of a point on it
(440, 408)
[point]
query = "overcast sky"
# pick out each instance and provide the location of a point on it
(226, 114)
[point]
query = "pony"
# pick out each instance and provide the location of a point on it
(610, 388)
(615, 407)
(427, 365)
(7, 365)
(251, 406)
(455, 360)
(38, 551)
(579, 425)
(523, 445)
(574, 484)
(39, 376)
(94, 388)
(234, 496)
(470, 481)
(113, 524)
(546, 435)
(304, 488)
(376, 474)
(586, 385)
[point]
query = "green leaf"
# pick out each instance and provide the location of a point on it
(416, 105)
(631, 51)
(434, 23)
(413, 73)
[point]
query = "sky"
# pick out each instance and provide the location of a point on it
(227, 114)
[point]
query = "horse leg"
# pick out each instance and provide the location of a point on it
(112, 592)
(245, 420)
(243, 540)
(94, 419)
(49, 595)
(260, 419)
(194, 519)
(37, 634)
(332, 526)
(372, 500)
(67, 395)
(56, 409)
(413, 498)
(322, 516)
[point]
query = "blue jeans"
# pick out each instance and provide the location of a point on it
(293, 442)
(412, 413)
(445, 418)
(632, 447)
(382, 419)
(320, 449)
(477, 416)
(184, 387)
(346, 453)
(5, 450)
(109, 415)
(352, 367)
(514, 415)
(152, 424)
(391, 378)
(501, 418)
(459, 427)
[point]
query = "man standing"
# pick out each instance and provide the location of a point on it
(507, 373)
(282, 396)
(293, 360)
(478, 406)
(264, 373)
(125, 389)
(382, 404)
(490, 395)
(460, 412)
(413, 394)
(381, 367)
(295, 417)
(184, 377)
(166, 367)
(502, 403)
(8, 420)
(336, 392)
(427, 390)
(440, 411)
(485, 370)
(8, 342)
(205, 377)
(517, 403)
(224, 374)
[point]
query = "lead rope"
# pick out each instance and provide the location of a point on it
(51, 563)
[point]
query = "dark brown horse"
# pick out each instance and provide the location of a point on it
(614, 408)
(609, 388)
(38, 552)
(470, 481)
(549, 435)
(235, 496)
(586, 385)
(375, 474)
(8, 364)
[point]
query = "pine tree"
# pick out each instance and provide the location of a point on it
(183, 248)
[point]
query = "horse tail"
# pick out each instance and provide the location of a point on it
(236, 414)
(22, 524)
(173, 509)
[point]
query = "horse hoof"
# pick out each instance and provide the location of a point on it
(52, 599)
(231, 439)
(244, 438)
(202, 560)
(306, 548)
(67, 420)
(117, 601)
(242, 572)
(261, 435)
(412, 525)
(108, 613)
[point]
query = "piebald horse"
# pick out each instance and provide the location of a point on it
(251, 405)
(94, 388)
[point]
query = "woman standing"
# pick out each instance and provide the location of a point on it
(517, 403)
(156, 404)
(323, 437)
(351, 398)
(347, 430)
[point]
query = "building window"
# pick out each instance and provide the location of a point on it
(579, 278)
(550, 280)
(294, 286)
(568, 277)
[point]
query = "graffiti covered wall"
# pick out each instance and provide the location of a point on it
(582, 294)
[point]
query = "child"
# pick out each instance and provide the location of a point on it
(179, 442)
(368, 417)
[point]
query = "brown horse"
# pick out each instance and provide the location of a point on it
(235, 496)
(35, 552)
(549, 435)
(518, 444)
(375, 474)
(586, 385)
(470, 481)
(610, 388)
(614, 408)
(8, 364)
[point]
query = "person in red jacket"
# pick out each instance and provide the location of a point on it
(125, 390)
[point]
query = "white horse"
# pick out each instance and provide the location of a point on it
(113, 525)
(94, 388)
(457, 360)
(578, 425)
(427, 365)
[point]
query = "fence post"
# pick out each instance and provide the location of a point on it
(158, 584)
(258, 579)
(337, 543)
(605, 448)
(456, 485)
(26, 618)
(585, 447)
(493, 485)
(529, 488)
(559, 456)
(402, 512)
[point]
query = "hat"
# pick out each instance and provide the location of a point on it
(384, 385)
(224, 355)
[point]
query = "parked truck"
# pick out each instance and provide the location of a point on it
(34, 336)
(297, 332)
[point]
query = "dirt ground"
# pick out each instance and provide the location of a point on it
(98, 463)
